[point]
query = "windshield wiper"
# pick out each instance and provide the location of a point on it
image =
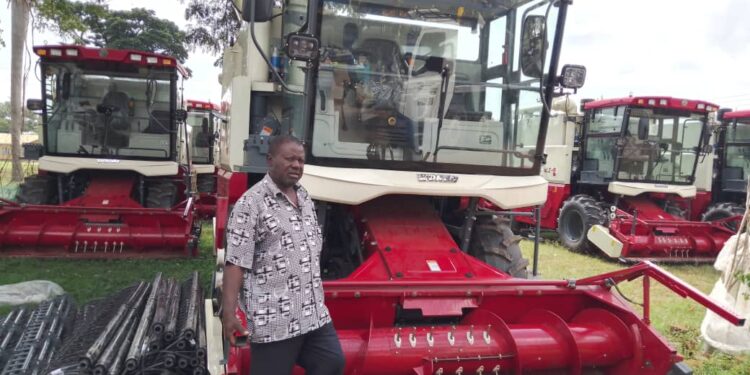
(444, 78)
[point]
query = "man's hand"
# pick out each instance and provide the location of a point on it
(230, 292)
(232, 327)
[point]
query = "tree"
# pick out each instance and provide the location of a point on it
(139, 29)
(95, 24)
(213, 24)
(20, 12)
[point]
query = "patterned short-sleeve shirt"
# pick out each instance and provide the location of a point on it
(278, 246)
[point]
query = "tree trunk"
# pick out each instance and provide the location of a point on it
(20, 10)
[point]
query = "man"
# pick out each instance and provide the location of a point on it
(273, 261)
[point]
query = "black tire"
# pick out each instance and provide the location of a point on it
(723, 210)
(577, 215)
(494, 243)
(206, 183)
(37, 190)
(161, 194)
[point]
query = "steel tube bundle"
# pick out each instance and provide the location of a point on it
(96, 349)
(110, 353)
(173, 310)
(136, 346)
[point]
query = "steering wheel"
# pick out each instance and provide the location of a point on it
(107, 110)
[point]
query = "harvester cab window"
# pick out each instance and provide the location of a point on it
(427, 84)
(201, 135)
(106, 113)
(737, 167)
(604, 128)
(666, 151)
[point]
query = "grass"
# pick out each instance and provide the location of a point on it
(86, 280)
(676, 318)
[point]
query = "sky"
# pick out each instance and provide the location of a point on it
(684, 48)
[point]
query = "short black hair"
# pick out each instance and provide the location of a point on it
(277, 141)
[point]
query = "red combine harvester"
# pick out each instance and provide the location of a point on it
(623, 182)
(732, 168)
(109, 183)
(202, 122)
(420, 111)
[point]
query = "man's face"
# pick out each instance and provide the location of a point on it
(286, 167)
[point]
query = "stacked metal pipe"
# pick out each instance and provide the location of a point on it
(150, 327)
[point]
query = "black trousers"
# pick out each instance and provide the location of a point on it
(318, 352)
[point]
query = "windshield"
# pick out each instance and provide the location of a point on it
(660, 146)
(200, 130)
(98, 113)
(433, 86)
(737, 162)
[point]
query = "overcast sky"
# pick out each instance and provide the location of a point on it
(685, 48)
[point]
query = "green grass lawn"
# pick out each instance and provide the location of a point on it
(86, 280)
(676, 318)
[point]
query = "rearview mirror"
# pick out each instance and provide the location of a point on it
(643, 128)
(263, 10)
(533, 46)
(34, 105)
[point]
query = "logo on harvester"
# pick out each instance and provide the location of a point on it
(436, 177)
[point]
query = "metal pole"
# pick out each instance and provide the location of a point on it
(537, 231)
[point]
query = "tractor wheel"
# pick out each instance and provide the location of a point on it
(577, 215)
(723, 210)
(493, 242)
(206, 183)
(37, 190)
(161, 194)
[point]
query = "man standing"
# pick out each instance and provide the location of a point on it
(273, 262)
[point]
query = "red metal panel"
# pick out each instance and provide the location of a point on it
(229, 187)
(643, 101)
(556, 195)
(744, 114)
(120, 56)
(646, 231)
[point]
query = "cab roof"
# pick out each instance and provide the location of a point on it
(654, 102)
(121, 56)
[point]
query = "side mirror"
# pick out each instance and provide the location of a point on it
(302, 47)
(263, 10)
(573, 76)
(643, 128)
(34, 105)
(180, 114)
(533, 46)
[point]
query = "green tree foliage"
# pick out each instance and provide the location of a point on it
(93, 23)
(212, 25)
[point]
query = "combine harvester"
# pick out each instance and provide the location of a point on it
(203, 119)
(624, 181)
(109, 183)
(732, 168)
(416, 282)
